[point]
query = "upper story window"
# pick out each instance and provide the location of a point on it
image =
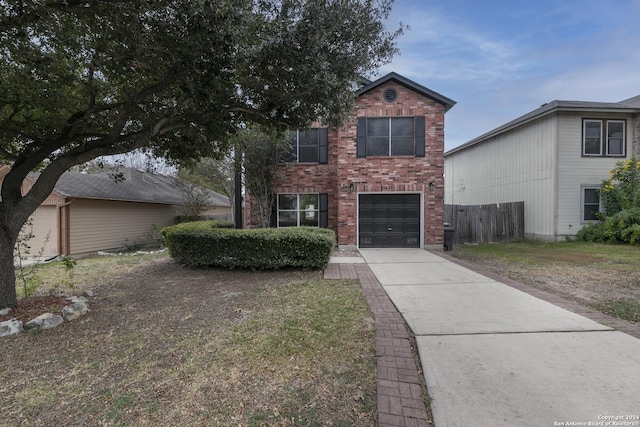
(308, 146)
(391, 136)
(603, 137)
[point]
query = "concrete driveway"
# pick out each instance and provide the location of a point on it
(495, 356)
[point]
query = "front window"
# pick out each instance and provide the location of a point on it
(295, 210)
(390, 136)
(590, 204)
(603, 138)
(305, 146)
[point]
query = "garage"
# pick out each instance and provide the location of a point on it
(389, 220)
(44, 227)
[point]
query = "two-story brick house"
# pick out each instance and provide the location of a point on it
(378, 180)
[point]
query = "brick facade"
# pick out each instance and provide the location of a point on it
(345, 175)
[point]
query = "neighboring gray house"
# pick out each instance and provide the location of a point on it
(553, 158)
(87, 213)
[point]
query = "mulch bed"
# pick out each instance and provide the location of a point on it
(31, 307)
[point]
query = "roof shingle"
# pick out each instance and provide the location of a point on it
(137, 186)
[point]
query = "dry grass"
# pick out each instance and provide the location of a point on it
(165, 345)
(606, 277)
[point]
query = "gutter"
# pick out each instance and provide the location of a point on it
(543, 111)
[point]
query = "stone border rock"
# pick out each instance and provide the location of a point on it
(79, 307)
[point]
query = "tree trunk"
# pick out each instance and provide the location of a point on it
(8, 296)
(14, 213)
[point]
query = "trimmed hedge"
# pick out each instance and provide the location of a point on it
(200, 244)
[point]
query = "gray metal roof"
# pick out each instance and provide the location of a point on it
(137, 186)
(409, 84)
(631, 105)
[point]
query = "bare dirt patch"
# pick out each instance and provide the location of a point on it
(591, 275)
(167, 345)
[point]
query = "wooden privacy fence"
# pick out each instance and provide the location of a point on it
(498, 222)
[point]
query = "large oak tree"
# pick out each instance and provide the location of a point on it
(86, 78)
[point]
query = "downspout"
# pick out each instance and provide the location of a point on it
(556, 177)
(635, 139)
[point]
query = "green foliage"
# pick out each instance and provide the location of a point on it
(214, 174)
(621, 217)
(220, 223)
(69, 264)
(591, 233)
(195, 200)
(621, 227)
(625, 309)
(198, 244)
(622, 190)
(175, 78)
(178, 76)
(263, 149)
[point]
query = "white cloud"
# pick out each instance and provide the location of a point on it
(438, 48)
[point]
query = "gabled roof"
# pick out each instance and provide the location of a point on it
(409, 84)
(631, 105)
(137, 186)
(634, 102)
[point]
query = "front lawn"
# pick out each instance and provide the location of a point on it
(168, 345)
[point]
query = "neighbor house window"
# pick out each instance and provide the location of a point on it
(603, 137)
(295, 210)
(308, 146)
(391, 136)
(590, 203)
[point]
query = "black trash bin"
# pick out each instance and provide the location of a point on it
(448, 237)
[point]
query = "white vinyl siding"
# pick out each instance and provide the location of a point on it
(101, 225)
(515, 166)
(577, 171)
(541, 163)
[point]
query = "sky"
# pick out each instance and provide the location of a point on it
(500, 59)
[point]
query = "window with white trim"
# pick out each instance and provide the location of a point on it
(603, 137)
(591, 204)
(295, 210)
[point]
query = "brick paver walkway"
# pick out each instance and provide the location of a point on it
(400, 387)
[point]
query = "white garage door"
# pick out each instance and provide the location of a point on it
(45, 232)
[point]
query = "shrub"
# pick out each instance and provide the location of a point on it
(591, 233)
(199, 244)
(621, 216)
(622, 227)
